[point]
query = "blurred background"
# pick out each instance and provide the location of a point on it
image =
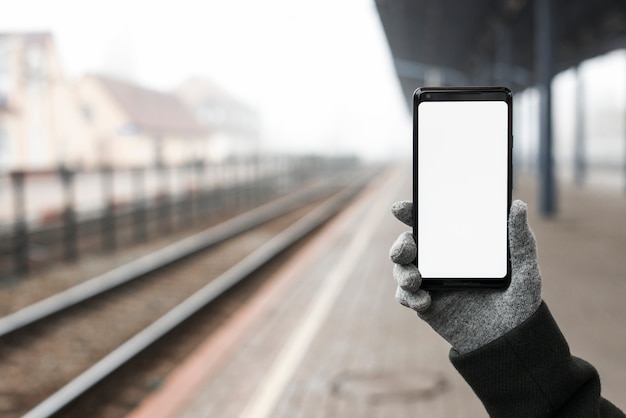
(152, 84)
(107, 93)
(146, 84)
(301, 92)
(124, 122)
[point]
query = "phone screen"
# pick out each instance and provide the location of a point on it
(462, 189)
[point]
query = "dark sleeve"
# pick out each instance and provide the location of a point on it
(529, 372)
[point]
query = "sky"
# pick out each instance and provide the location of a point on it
(319, 72)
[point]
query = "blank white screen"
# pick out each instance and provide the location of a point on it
(462, 189)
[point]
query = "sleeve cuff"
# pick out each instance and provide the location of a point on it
(529, 370)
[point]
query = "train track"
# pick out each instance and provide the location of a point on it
(68, 355)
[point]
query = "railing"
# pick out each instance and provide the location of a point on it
(61, 214)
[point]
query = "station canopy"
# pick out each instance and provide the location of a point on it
(469, 42)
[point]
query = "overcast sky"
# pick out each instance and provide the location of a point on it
(318, 71)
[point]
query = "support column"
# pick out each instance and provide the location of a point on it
(543, 70)
(580, 160)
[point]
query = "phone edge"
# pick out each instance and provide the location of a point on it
(467, 283)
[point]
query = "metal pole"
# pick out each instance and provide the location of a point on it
(624, 155)
(580, 164)
(201, 189)
(165, 209)
(108, 219)
(188, 217)
(140, 219)
(69, 214)
(543, 68)
(20, 238)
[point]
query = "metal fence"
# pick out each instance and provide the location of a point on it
(59, 215)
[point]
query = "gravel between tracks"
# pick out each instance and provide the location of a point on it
(40, 359)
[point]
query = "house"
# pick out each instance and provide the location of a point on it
(47, 121)
(40, 126)
(233, 126)
(130, 125)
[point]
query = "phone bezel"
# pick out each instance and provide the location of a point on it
(430, 94)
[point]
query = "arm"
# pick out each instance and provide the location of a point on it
(505, 343)
(529, 372)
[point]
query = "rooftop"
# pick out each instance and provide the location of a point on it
(153, 111)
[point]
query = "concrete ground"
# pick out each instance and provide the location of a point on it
(582, 256)
(326, 338)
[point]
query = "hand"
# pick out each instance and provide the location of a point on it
(469, 319)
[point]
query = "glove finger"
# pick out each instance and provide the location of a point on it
(403, 250)
(418, 301)
(525, 288)
(407, 277)
(521, 238)
(403, 211)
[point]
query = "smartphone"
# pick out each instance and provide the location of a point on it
(462, 181)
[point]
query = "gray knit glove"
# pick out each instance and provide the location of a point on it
(469, 319)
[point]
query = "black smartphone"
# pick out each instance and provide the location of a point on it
(462, 181)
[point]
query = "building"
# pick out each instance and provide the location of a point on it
(47, 121)
(130, 125)
(40, 127)
(233, 126)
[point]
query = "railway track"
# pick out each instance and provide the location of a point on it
(98, 348)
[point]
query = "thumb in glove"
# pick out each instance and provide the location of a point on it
(469, 319)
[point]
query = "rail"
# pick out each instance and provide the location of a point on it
(205, 295)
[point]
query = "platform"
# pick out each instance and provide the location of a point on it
(325, 338)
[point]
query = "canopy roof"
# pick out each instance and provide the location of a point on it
(493, 41)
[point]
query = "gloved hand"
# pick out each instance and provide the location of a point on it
(469, 319)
